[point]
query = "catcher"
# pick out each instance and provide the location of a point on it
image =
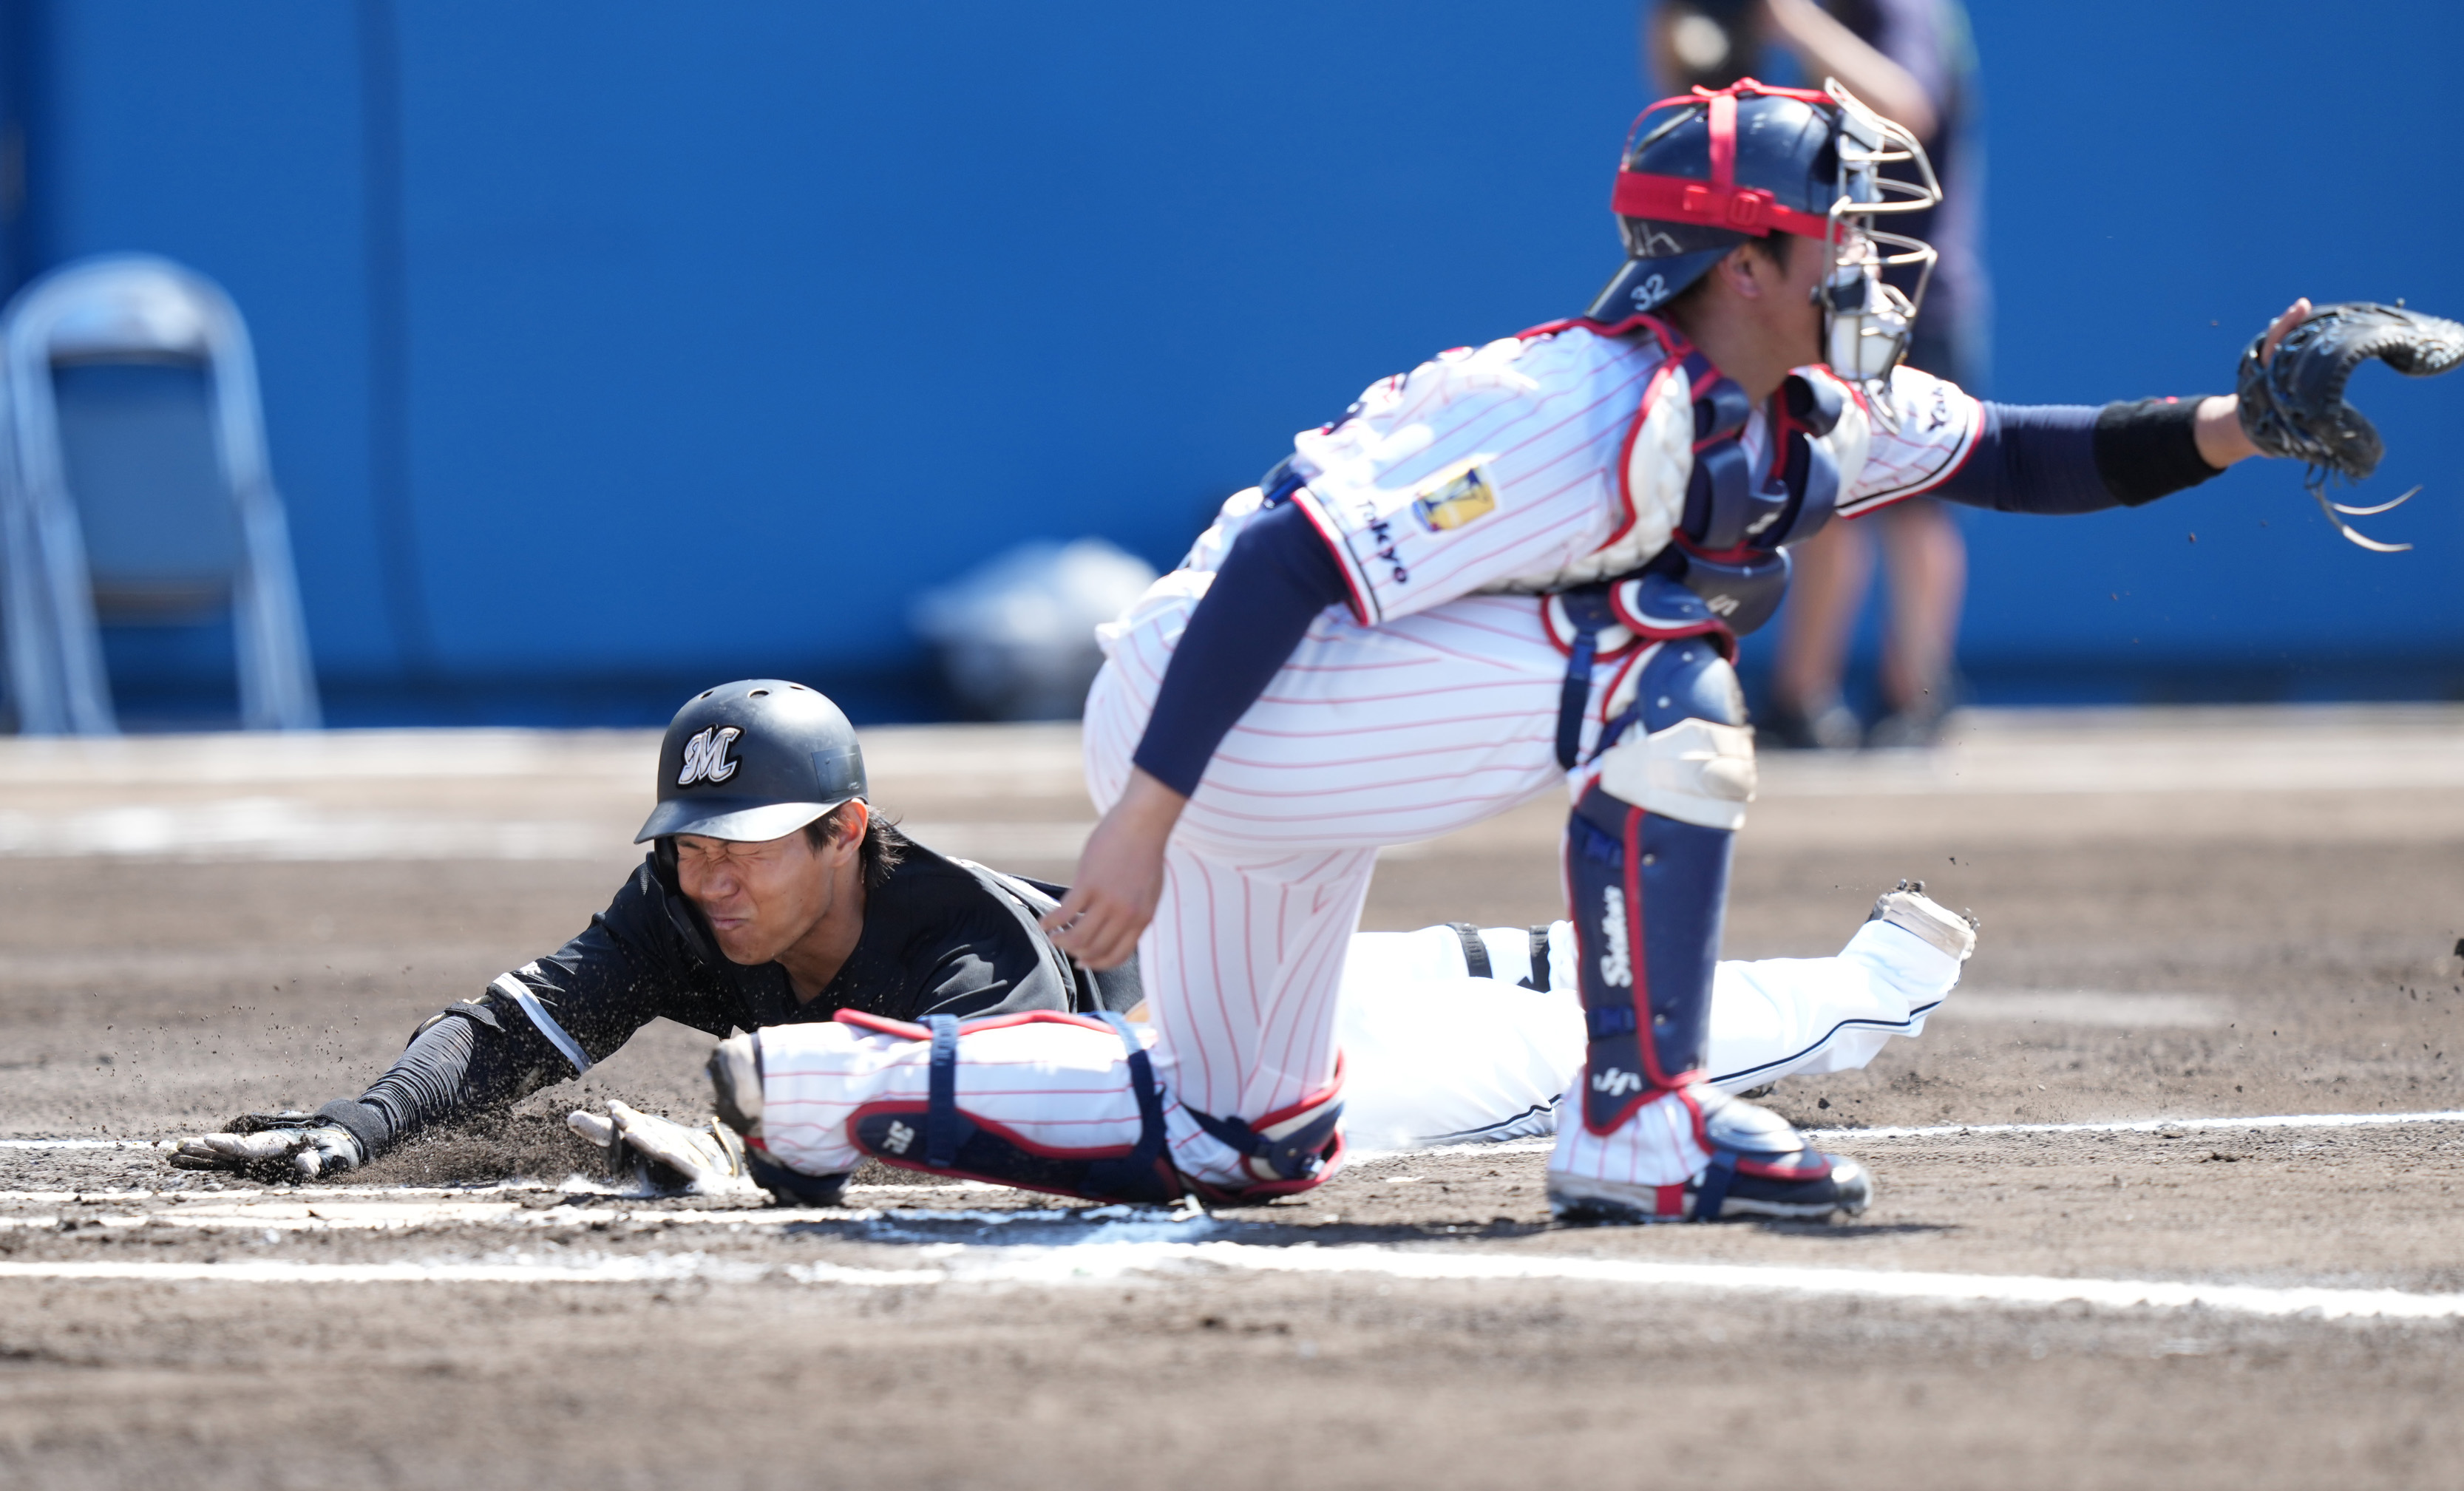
(1565, 528)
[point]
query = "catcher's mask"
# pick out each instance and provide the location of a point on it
(1706, 171)
(758, 758)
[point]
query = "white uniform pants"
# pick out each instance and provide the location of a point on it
(1433, 1056)
(1367, 736)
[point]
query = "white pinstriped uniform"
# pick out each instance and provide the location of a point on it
(1433, 706)
(1449, 495)
(1545, 420)
(1059, 1084)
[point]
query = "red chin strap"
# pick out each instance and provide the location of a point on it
(1720, 202)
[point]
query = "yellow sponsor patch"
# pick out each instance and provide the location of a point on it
(1455, 496)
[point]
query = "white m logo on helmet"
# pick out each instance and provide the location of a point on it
(706, 756)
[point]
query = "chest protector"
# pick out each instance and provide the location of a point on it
(1694, 512)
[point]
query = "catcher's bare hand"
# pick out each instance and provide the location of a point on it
(1120, 877)
(2293, 316)
(2222, 439)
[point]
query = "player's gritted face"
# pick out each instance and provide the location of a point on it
(761, 898)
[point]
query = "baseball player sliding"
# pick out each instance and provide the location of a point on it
(773, 894)
(1517, 568)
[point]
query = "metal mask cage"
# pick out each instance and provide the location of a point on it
(1862, 251)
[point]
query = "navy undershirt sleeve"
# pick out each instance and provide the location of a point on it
(2032, 458)
(2062, 458)
(1277, 578)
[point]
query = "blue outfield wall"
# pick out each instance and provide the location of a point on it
(609, 347)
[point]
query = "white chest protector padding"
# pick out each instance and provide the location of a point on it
(1660, 462)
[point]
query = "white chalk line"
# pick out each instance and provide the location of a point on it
(395, 1216)
(2153, 1125)
(202, 1195)
(1106, 1262)
(656, 1269)
(1954, 1131)
(1543, 1146)
(81, 1144)
(1871, 1284)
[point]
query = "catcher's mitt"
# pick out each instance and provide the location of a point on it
(2293, 404)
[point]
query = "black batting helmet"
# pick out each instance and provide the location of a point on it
(758, 758)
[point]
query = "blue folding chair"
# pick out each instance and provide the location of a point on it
(134, 487)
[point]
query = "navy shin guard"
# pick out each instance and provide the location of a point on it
(1647, 858)
(1649, 895)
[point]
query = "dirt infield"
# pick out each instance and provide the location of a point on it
(2192, 916)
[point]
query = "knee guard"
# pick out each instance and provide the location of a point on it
(1289, 1150)
(939, 1138)
(1646, 865)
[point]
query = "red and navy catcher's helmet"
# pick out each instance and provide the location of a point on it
(1704, 172)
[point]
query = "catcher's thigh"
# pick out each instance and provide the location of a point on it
(1242, 966)
(1367, 736)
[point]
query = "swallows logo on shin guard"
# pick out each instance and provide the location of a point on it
(1616, 1082)
(898, 1138)
(1616, 964)
(706, 756)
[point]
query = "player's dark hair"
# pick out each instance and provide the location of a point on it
(884, 847)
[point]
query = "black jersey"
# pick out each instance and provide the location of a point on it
(940, 936)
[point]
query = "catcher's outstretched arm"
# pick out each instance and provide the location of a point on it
(2289, 403)
(2054, 459)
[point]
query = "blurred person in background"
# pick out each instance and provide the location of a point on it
(1914, 62)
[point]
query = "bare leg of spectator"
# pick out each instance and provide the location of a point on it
(1927, 559)
(1827, 587)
